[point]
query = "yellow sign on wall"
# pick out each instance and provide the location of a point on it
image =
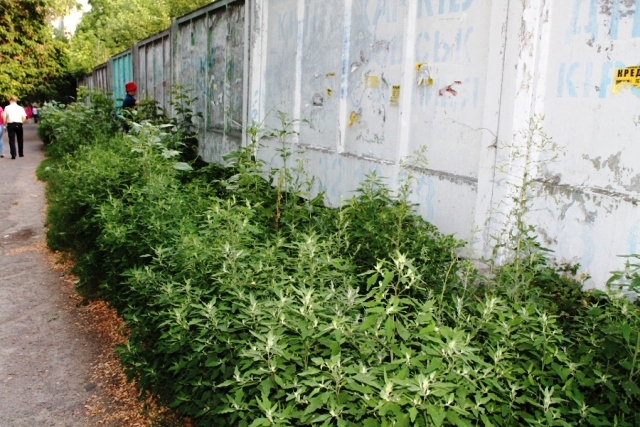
(626, 76)
(395, 95)
(372, 81)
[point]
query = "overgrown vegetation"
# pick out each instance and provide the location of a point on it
(250, 303)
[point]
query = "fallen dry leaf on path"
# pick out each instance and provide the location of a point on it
(116, 401)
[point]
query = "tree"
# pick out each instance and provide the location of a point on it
(115, 25)
(112, 26)
(59, 8)
(180, 7)
(34, 63)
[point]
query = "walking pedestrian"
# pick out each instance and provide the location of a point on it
(1, 131)
(27, 111)
(34, 112)
(14, 116)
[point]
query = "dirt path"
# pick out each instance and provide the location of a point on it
(45, 355)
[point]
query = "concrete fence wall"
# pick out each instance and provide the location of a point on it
(372, 81)
(375, 80)
(152, 68)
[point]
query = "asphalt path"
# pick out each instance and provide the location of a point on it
(45, 355)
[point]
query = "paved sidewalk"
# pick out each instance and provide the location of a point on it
(44, 355)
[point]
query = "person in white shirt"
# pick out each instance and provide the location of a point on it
(1, 131)
(14, 116)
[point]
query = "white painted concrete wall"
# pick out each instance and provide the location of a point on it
(495, 64)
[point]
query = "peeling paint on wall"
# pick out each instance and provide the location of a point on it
(489, 67)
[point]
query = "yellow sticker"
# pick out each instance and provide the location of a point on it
(423, 74)
(353, 118)
(372, 81)
(329, 93)
(395, 95)
(331, 74)
(626, 76)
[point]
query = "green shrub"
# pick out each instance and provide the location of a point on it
(65, 128)
(251, 304)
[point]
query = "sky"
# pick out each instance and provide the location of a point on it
(69, 23)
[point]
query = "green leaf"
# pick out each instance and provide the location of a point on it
(486, 421)
(437, 414)
(388, 276)
(371, 281)
(314, 404)
(390, 326)
(402, 331)
(454, 418)
(434, 365)
(631, 388)
(367, 379)
(368, 322)
(320, 418)
(181, 166)
(413, 413)
(626, 331)
(279, 381)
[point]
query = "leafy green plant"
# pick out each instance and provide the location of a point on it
(183, 123)
(64, 128)
(251, 305)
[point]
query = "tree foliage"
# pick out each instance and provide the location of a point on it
(115, 25)
(34, 62)
(61, 8)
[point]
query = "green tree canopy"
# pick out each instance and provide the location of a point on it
(34, 62)
(115, 25)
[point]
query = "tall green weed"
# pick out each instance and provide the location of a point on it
(65, 128)
(251, 304)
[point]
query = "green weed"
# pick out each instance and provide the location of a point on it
(250, 303)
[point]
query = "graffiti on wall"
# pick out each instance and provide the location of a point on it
(602, 25)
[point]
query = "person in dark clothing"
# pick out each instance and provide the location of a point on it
(129, 101)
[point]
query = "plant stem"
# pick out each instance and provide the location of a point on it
(635, 357)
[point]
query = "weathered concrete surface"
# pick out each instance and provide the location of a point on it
(44, 355)
(373, 81)
(367, 83)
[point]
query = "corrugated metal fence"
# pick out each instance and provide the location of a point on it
(372, 81)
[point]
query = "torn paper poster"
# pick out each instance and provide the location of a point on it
(629, 76)
(372, 81)
(423, 74)
(395, 95)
